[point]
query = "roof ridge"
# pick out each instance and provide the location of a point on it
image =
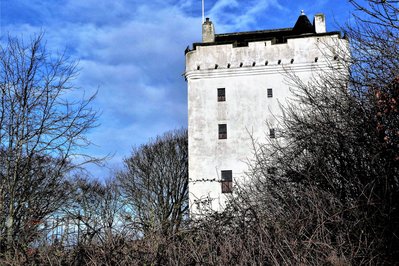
(254, 31)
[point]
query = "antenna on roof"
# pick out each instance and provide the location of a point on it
(203, 12)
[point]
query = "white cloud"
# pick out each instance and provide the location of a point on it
(234, 15)
(220, 6)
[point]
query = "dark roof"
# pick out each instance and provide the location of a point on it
(303, 25)
(302, 28)
(242, 38)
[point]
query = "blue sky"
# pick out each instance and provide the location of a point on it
(132, 52)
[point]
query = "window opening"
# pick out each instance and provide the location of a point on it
(221, 95)
(272, 133)
(222, 131)
(227, 181)
(269, 93)
(272, 170)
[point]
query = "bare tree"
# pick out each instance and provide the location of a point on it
(336, 183)
(91, 221)
(155, 183)
(41, 131)
(326, 194)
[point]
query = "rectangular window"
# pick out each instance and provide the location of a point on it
(222, 131)
(272, 133)
(227, 181)
(272, 170)
(221, 95)
(269, 93)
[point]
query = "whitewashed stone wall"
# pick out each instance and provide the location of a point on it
(246, 73)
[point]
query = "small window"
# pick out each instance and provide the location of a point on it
(221, 95)
(272, 170)
(272, 133)
(269, 93)
(222, 131)
(227, 181)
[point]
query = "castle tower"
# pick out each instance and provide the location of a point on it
(236, 83)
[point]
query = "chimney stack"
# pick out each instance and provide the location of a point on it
(319, 23)
(208, 31)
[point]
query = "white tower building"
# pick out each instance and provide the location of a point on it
(236, 82)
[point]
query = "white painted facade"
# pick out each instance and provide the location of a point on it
(246, 73)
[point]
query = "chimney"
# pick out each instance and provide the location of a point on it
(319, 23)
(208, 31)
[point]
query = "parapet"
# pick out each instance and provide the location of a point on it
(305, 43)
(302, 28)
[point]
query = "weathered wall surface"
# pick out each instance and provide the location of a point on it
(246, 73)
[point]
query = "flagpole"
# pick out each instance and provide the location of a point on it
(203, 12)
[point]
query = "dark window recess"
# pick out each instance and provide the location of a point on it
(221, 95)
(227, 181)
(272, 170)
(269, 93)
(222, 131)
(272, 133)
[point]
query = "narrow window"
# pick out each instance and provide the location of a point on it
(221, 95)
(272, 133)
(227, 181)
(222, 131)
(269, 93)
(272, 170)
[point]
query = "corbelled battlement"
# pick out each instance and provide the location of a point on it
(305, 43)
(241, 39)
(313, 49)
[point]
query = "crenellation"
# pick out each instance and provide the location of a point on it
(304, 50)
(264, 63)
